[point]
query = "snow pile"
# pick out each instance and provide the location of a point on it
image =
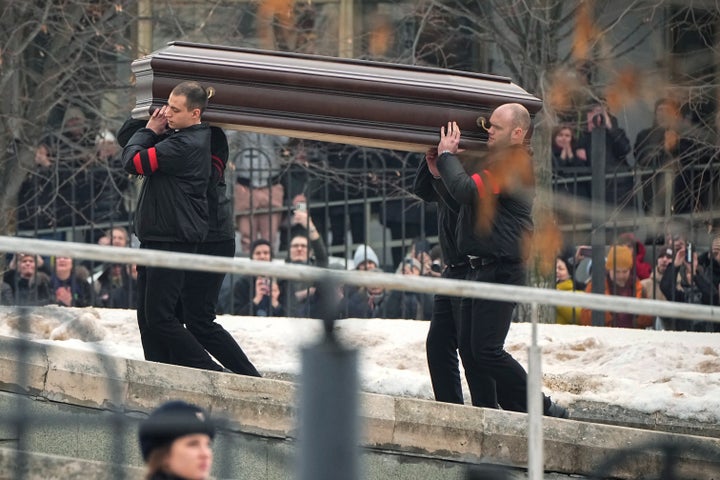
(676, 373)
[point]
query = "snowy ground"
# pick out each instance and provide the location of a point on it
(676, 373)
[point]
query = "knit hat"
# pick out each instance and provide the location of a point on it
(365, 253)
(619, 257)
(171, 421)
(73, 113)
(665, 252)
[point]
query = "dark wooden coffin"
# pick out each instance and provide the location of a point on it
(331, 99)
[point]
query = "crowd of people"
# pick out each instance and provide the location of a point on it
(676, 271)
(663, 171)
(484, 203)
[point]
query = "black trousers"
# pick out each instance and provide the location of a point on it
(164, 338)
(494, 376)
(441, 345)
(198, 301)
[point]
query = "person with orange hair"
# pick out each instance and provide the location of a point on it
(619, 280)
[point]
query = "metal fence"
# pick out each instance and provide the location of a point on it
(21, 420)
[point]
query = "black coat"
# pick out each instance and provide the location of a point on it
(172, 206)
(433, 190)
(508, 213)
(395, 304)
(28, 292)
(243, 304)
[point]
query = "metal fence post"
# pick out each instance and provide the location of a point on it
(329, 425)
(597, 241)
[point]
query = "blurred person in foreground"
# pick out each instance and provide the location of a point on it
(176, 442)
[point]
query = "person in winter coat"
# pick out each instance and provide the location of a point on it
(27, 285)
(198, 300)
(256, 295)
(642, 268)
(566, 314)
(69, 284)
(172, 154)
(618, 184)
(689, 280)
(494, 225)
(176, 442)
(299, 297)
(620, 281)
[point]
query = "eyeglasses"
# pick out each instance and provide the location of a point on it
(298, 245)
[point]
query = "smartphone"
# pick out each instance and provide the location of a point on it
(689, 253)
(301, 207)
(585, 252)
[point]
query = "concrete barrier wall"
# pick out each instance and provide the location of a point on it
(79, 404)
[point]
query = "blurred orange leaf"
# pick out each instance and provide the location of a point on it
(564, 85)
(625, 88)
(547, 241)
(586, 32)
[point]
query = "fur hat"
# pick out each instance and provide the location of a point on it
(365, 253)
(171, 421)
(619, 257)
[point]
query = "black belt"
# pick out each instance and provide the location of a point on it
(457, 265)
(480, 262)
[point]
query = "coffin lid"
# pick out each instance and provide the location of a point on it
(330, 99)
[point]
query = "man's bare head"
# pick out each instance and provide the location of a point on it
(509, 124)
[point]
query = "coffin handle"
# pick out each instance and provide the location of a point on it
(481, 122)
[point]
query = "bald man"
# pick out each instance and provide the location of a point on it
(495, 195)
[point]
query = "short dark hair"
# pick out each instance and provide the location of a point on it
(196, 95)
(257, 243)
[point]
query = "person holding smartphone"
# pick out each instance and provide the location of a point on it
(306, 247)
(686, 280)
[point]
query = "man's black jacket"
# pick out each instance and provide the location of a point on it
(433, 190)
(173, 203)
(495, 203)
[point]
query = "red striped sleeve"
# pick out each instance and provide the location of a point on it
(137, 161)
(152, 155)
(217, 163)
(479, 184)
(493, 183)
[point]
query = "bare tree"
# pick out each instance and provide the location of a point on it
(56, 55)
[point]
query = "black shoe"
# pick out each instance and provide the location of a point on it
(555, 410)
